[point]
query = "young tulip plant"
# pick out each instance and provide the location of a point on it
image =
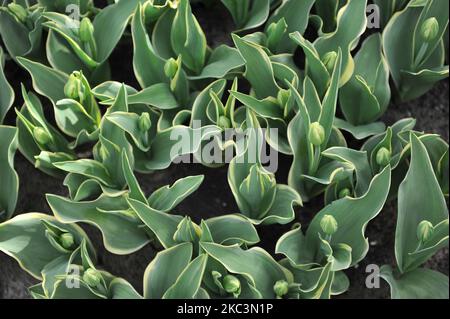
(302, 78)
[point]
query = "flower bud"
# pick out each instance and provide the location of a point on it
(41, 135)
(383, 157)
(18, 11)
(424, 231)
(281, 288)
(72, 87)
(258, 189)
(67, 240)
(275, 33)
(144, 122)
(283, 97)
(329, 225)
(430, 29)
(231, 284)
(187, 231)
(344, 193)
(224, 122)
(86, 30)
(329, 60)
(316, 134)
(92, 277)
(171, 68)
(103, 153)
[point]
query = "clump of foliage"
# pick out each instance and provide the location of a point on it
(306, 68)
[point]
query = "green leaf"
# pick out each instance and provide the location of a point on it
(248, 14)
(6, 91)
(158, 95)
(110, 24)
(165, 199)
(110, 215)
(24, 237)
(413, 209)
(367, 95)
(165, 269)
(19, 39)
(351, 24)
(46, 81)
(188, 283)
(232, 229)
(417, 284)
(88, 168)
(258, 68)
(255, 264)
(8, 176)
(296, 15)
(188, 39)
(147, 64)
(162, 225)
(223, 60)
(360, 132)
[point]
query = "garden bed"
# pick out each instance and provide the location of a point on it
(213, 197)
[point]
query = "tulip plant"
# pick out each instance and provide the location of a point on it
(303, 78)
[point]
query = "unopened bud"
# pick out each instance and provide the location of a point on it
(171, 68)
(329, 225)
(283, 97)
(144, 122)
(86, 30)
(231, 284)
(281, 288)
(103, 153)
(92, 277)
(424, 231)
(344, 193)
(72, 87)
(224, 122)
(329, 60)
(430, 29)
(316, 134)
(383, 157)
(41, 135)
(67, 240)
(18, 11)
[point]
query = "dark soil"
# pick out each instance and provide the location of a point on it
(214, 198)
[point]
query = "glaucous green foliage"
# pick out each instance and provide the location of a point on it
(307, 70)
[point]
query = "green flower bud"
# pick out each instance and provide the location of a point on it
(275, 33)
(224, 122)
(144, 122)
(281, 288)
(258, 189)
(41, 135)
(316, 134)
(86, 30)
(424, 231)
(67, 240)
(383, 157)
(18, 11)
(72, 87)
(92, 277)
(232, 285)
(187, 231)
(283, 97)
(329, 60)
(171, 68)
(430, 29)
(344, 193)
(103, 153)
(329, 225)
